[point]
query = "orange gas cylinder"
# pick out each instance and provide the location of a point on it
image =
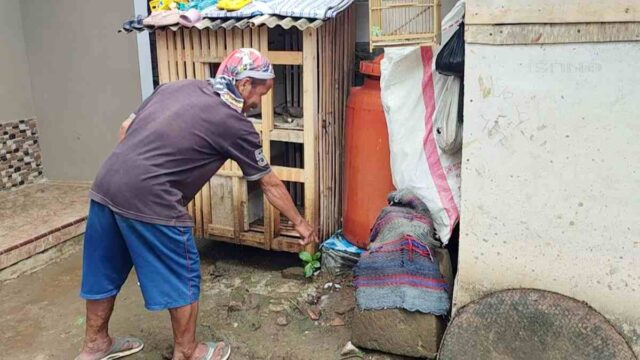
(367, 172)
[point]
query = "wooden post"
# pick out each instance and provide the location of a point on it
(310, 110)
(267, 126)
(163, 56)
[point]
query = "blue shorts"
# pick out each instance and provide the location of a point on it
(165, 257)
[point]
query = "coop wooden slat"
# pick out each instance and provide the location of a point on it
(228, 42)
(213, 43)
(246, 38)
(207, 218)
(222, 43)
(255, 38)
(197, 215)
(285, 57)
(267, 126)
(237, 38)
(163, 56)
(282, 243)
(238, 210)
(188, 53)
(221, 233)
(294, 136)
(289, 174)
(310, 110)
(173, 62)
(180, 56)
(197, 52)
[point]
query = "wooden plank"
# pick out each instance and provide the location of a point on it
(221, 202)
(180, 56)
(438, 21)
(188, 54)
(173, 62)
(213, 43)
(197, 215)
(325, 82)
(525, 34)
(246, 38)
(237, 38)
(238, 209)
(310, 109)
(222, 43)
(229, 46)
(162, 51)
(282, 243)
(197, 52)
(551, 11)
(289, 174)
(285, 57)
(255, 38)
(219, 231)
(267, 126)
(253, 239)
(207, 218)
(294, 136)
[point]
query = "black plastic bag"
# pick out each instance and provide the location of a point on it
(450, 59)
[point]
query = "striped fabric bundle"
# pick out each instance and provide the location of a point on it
(400, 270)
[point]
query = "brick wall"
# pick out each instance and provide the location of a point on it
(20, 158)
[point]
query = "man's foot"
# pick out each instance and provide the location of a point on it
(211, 351)
(114, 349)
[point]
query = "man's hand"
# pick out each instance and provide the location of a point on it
(124, 127)
(279, 197)
(307, 233)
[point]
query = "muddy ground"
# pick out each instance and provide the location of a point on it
(244, 299)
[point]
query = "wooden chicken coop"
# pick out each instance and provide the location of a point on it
(300, 121)
(404, 22)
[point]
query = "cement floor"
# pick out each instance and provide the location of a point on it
(38, 216)
(42, 316)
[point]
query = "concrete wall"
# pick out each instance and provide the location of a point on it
(16, 102)
(85, 80)
(550, 179)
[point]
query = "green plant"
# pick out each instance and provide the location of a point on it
(311, 262)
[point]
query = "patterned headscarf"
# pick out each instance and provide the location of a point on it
(240, 64)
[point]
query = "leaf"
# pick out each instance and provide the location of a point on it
(305, 256)
(315, 264)
(308, 270)
(317, 255)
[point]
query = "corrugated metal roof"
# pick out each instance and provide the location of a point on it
(270, 21)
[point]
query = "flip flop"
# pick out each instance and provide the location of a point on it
(217, 352)
(120, 349)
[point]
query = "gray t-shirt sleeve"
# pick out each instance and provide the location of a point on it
(246, 150)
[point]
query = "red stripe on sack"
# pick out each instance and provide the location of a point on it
(429, 142)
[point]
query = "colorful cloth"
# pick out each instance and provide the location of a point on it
(400, 270)
(240, 64)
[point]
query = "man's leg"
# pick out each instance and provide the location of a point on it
(183, 321)
(97, 340)
(106, 263)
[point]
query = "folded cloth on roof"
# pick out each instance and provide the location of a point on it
(162, 18)
(189, 18)
(400, 269)
(314, 9)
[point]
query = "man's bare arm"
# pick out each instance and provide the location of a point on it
(279, 197)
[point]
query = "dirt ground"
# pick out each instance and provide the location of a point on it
(244, 300)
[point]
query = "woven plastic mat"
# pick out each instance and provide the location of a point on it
(531, 324)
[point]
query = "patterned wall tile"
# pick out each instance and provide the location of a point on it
(20, 157)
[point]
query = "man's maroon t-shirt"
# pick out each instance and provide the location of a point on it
(181, 135)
